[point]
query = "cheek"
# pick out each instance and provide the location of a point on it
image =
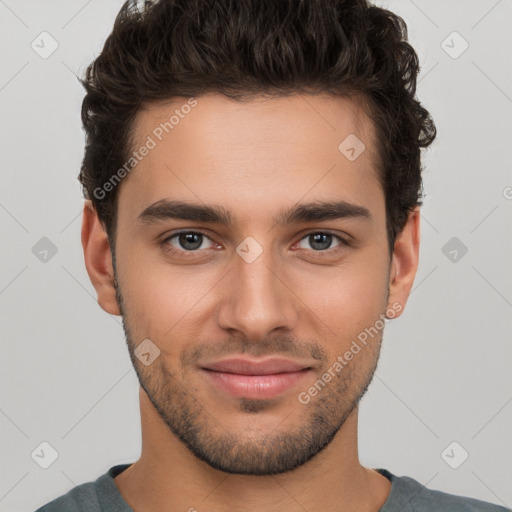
(160, 298)
(167, 301)
(348, 299)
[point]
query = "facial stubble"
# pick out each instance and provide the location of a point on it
(278, 451)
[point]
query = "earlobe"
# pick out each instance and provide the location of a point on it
(98, 259)
(404, 261)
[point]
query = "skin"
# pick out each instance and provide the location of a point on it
(254, 159)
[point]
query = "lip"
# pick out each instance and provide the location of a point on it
(253, 379)
(245, 366)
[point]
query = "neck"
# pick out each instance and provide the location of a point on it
(168, 477)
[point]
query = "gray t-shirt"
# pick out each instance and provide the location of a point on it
(407, 495)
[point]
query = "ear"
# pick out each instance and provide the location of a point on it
(98, 259)
(404, 262)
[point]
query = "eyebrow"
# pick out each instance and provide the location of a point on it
(306, 212)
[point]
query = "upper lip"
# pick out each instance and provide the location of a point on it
(242, 366)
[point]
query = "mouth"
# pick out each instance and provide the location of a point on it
(253, 379)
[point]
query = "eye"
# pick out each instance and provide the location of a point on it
(188, 241)
(321, 241)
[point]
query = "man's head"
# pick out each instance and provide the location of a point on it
(250, 47)
(282, 141)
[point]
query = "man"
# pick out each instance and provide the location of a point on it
(281, 140)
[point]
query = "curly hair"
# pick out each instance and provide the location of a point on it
(242, 48)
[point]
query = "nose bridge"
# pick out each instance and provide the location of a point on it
(256, 301)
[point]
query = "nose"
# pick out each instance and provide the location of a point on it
(257, 300)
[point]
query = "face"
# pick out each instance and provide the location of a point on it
(252, 253)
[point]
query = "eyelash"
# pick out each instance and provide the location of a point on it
(191, 254)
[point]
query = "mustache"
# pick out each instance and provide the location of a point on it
(277, 346)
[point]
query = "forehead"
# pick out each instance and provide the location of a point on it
(265, 150)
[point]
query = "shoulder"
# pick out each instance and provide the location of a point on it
(91, 496)
(408, 495)
(82, 498)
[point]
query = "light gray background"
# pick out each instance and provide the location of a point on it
(444, 375)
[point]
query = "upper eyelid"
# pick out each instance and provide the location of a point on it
(184, 231)
(308, 233)
(327, 232)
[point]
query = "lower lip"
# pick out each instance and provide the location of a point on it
(255, 387)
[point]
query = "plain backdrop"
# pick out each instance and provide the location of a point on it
(444, 375)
